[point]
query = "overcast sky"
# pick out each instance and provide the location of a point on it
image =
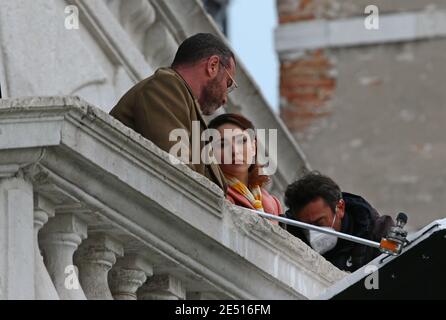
(251, 32)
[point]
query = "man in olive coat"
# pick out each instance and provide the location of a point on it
(198, 82)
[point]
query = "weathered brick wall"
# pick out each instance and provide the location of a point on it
(371, 116)
(308, 82)
(295, 10)
(306, 86)
(300, 10)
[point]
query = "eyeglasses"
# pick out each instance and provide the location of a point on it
(234, 84)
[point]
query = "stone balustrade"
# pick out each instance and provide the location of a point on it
(92, 210)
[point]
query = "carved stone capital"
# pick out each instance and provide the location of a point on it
(128, 274)
(44, 287)
(95, 258)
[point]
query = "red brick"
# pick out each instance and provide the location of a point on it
(295, 18)
(304, 11)
(306, 84)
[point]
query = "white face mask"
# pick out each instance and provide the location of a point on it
(322, 242)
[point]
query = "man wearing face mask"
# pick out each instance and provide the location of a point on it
(316, 199)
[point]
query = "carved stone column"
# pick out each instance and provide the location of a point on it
(59, 238)
(44, 287)
(95, 258)
(162, 287)
(128, 274)
(16, 237)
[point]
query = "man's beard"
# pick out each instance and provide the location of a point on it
(211, 97)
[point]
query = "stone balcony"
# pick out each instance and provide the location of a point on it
(85, 198)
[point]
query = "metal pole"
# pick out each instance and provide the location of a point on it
(303, 225)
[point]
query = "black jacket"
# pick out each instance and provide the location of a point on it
(361, 220)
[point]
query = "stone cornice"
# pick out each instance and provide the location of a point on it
(293, 38)
(124, 184)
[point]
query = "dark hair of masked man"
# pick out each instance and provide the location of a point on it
(316, 199)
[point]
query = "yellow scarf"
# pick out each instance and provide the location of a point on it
(254, 195)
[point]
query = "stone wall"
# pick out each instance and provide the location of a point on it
(370, 114)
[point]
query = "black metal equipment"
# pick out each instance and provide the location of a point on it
(417, 273)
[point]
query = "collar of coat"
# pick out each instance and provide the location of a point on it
(215, 168)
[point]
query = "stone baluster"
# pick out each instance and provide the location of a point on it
(44, 287)
(162, 287)
(128, 274)
(95, 258)
(59, 239)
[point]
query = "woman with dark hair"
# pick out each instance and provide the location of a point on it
(235, 151)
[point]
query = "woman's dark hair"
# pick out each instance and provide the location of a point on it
(201, 46)
(254, 176)
(311, 186)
